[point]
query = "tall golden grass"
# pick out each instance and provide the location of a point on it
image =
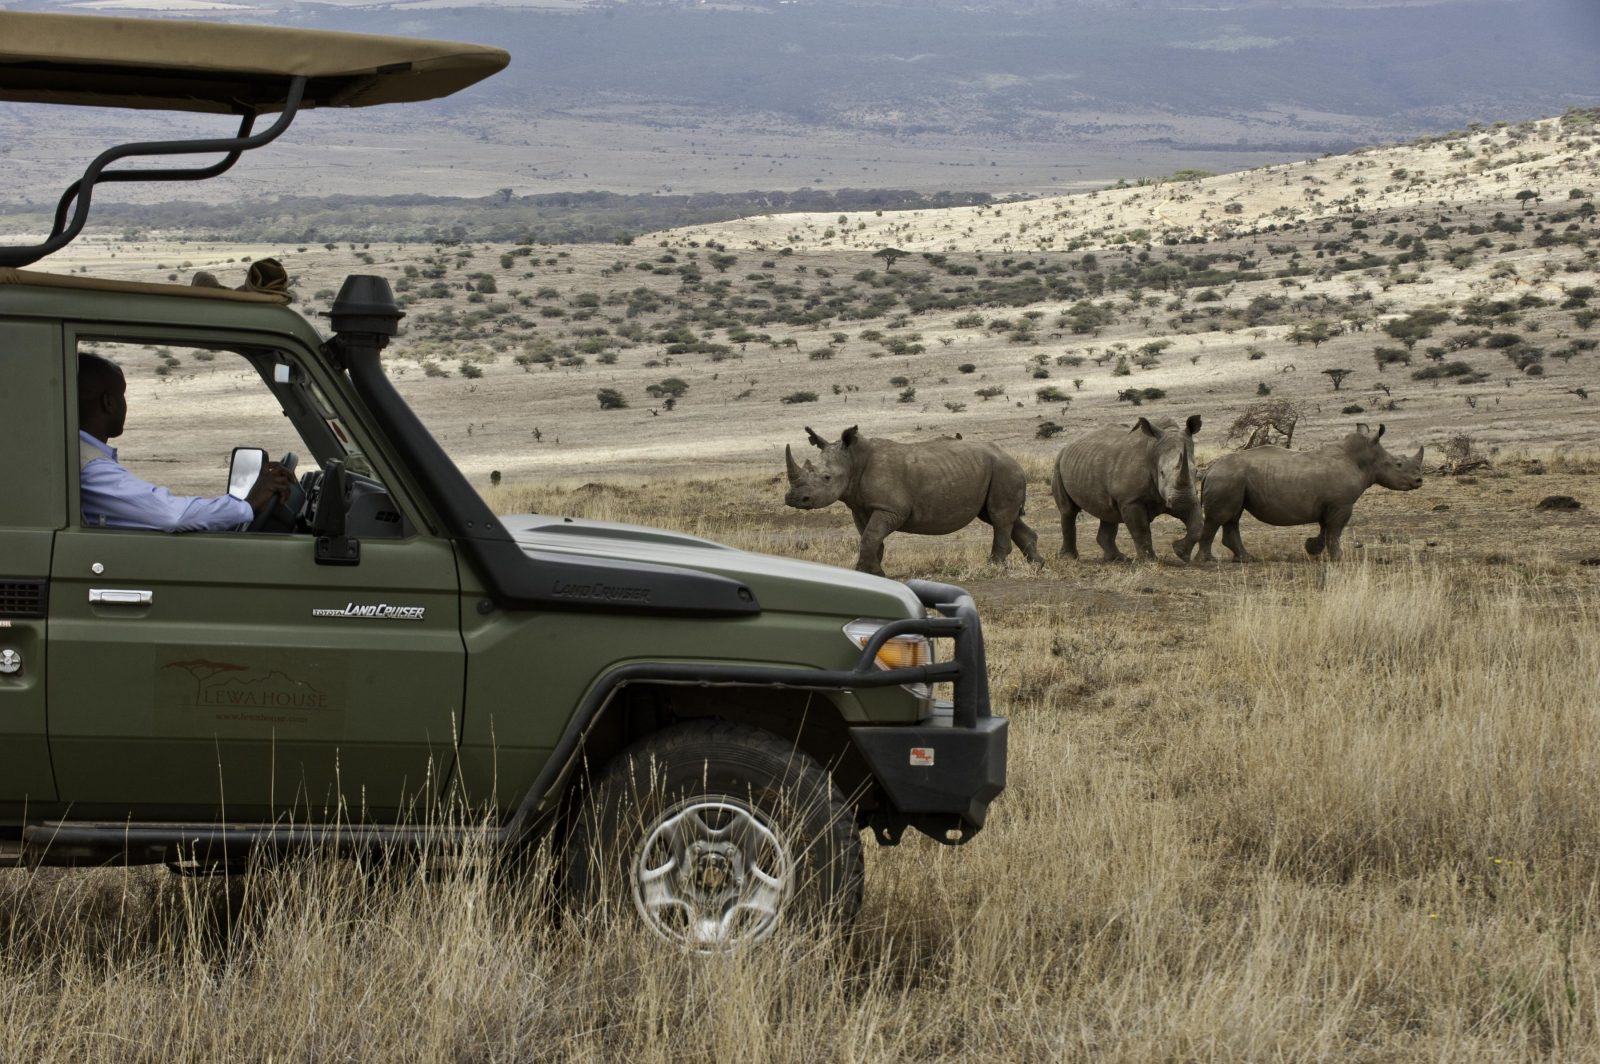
(1281, 812)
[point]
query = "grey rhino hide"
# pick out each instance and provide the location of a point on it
(1282, 487)
(932, 487)
(1124, 475)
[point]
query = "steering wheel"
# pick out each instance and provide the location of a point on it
(276, 516)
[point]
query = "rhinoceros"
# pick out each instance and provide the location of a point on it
(1282, 487)
(931, 488)
(1128, 476)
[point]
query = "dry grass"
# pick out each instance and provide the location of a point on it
(1285, 811)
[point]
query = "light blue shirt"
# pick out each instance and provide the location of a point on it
(112, 497)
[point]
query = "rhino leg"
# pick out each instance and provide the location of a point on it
(1233, 541)
(1194, 524)
(875, 531)
(1137, 518)
(999, 543)
(1333, 528)
(1027, 541)
(1069, 527)
(1107, 538)
(1208, 533)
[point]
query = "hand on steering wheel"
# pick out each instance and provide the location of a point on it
(270, 492)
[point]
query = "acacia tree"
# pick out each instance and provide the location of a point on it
(889, 255)
(1337, 376)
(1317, 332)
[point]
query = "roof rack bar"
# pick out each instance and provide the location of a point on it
(83, 188)
(196, 174)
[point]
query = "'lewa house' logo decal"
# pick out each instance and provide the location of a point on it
(244, 692)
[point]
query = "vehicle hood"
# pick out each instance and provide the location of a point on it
(778, 583)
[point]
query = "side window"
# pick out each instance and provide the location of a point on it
(187, 408)
(174, 413)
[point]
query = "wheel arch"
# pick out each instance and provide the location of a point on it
(626, 706)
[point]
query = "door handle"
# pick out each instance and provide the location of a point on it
(116, 596)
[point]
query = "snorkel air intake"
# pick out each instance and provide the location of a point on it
(365, 317)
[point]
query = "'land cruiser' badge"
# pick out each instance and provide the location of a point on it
(380, 612)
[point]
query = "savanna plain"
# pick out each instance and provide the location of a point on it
(1290, 810)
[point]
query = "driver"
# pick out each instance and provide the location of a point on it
(112, 497)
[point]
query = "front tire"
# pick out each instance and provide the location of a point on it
(715, 834)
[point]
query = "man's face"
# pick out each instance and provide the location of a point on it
(115, 401)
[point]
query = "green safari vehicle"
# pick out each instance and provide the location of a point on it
(703, 733)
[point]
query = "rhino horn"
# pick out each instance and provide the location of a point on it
(849, 436)
(816, 441)
(788, 461)
(1420, 449)
(1143, 425)
(1193, 424)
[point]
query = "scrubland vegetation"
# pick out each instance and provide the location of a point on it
(1443, 287)
(1288, 811)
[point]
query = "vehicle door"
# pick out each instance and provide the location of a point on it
(32, 507)
(227, 673)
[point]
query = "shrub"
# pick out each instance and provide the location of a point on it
(676, 387)
(611, 399)
(966, 367)
(1046, 430)
(1461, 370)
(800, 397)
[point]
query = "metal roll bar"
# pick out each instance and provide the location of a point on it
(80, 192)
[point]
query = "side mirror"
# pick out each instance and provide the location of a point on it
(244, 469)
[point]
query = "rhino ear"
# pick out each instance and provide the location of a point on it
(1193, 424)
(1143, 425)
(849, 436)
(816, 441)
(1363, 428)
(1379, 436)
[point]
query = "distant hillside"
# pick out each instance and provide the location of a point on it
(996, 97)
(1543, 160)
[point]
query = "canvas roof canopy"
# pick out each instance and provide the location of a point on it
(169, 64)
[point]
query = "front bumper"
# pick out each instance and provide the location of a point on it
(937, 776)
(940, 774)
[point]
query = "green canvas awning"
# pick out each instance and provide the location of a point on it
(168, 64)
